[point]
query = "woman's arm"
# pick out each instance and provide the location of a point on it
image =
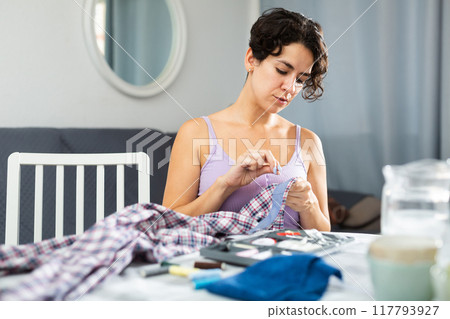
(183, 175)
(310, 198)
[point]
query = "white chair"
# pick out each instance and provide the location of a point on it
(39, 160)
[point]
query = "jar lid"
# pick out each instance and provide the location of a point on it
(404, 249)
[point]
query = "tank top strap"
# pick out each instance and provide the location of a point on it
(298, 149)
(297, 139)
(212, 134)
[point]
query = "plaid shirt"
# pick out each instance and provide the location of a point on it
(69, 267)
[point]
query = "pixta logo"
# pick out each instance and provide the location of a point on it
(149, 142)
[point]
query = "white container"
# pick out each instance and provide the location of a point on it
(400, 267)
(440, 273)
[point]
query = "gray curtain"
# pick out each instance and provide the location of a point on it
(386, 97)
(143, 28)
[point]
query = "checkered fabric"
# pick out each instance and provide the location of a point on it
(67, 268)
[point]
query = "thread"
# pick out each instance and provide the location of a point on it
(154, 271)
(166, 263)
(206, 273)
(209, 265)
(181, 271)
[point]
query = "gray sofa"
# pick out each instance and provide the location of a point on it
(53, 140)
(361, 211)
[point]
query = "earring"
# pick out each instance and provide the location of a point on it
(249, 69)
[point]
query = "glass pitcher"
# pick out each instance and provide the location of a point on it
(415, 199)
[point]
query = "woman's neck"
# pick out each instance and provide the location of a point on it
(247, 112)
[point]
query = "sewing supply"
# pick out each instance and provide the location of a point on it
(202, 283)
(205, 273)
(154, 271)
(300, 245)
(244, 246)
(264, 241)
(247, 253)
(289, 233)
(166, 263)
(181, 271)
(263, 255)
(209, 265)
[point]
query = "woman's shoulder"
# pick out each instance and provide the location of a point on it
(288, 125)
(305, 133)
(310, 141)
(189, 137)
(195, 127)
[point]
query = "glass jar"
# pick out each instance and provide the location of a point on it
(415, 199)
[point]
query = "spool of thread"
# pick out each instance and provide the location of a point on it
(206, 273)
(154, 271)
(166, 263)
(209, 265)
(202, 283)
(181, 271)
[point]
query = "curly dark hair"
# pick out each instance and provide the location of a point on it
(278, 27)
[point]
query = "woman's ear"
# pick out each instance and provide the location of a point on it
(249, 60)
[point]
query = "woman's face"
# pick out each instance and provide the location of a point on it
(278, 79)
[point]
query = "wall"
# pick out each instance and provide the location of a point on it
(47, 78)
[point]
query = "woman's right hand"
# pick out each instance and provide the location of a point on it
(249, 166)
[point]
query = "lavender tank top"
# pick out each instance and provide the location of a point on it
(218, 163)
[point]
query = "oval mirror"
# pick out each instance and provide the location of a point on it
(138, 46)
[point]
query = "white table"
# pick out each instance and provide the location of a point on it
(351, 260)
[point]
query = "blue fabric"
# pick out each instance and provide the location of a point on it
(297, 277)
(277, 199)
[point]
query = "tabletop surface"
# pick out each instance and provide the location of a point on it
(351, 260)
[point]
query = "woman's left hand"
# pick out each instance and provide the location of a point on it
(301, 197)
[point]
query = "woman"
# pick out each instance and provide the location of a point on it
(248, 145)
